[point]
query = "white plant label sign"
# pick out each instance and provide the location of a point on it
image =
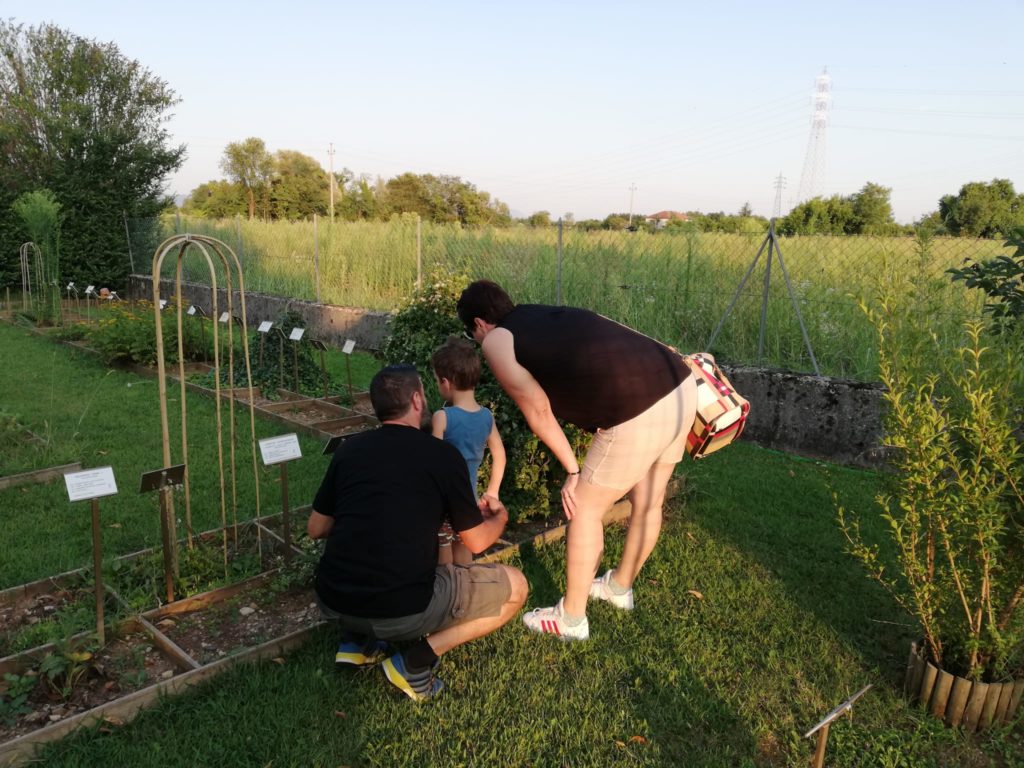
(191, 309)
(224, 317)
(90, 484)
(296, 334)
(163, 303)
(350, 345)
(265, 326)
(282, 448)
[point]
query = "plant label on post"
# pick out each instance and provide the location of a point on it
(281, 450)
(224, 317)
(263, 330)
(93, 484)
(296, 336)
(350, 345)
(818, 761)
(165, 481)
(191, 310)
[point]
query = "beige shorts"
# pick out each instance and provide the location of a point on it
(621, 456)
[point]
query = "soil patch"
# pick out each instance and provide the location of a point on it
(126, 664)
(49, 617)
(241, 622)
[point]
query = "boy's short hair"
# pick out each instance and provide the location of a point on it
(457, 361)
(484, 299)
(391, 390)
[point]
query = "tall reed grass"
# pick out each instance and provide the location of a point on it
(673, 286)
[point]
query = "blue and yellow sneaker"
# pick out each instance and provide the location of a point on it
(352, 653)
(418, 686)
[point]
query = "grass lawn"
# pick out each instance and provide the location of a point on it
(750, 625)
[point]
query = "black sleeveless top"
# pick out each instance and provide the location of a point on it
(595, 372)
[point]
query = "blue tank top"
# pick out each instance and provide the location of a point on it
(468, 431)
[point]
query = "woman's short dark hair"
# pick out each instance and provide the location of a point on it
(458, 362)
(392, 389)
(484, 299)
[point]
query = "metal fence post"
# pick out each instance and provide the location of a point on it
(128, 237)
(558, 282)
(419, 252)
(238, 236)
(316, 258)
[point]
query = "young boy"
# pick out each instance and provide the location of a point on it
(469, 427)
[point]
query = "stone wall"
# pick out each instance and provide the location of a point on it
(332, 325)
(838, 420)
(833, 419)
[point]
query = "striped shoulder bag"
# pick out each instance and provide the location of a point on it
(721, 410)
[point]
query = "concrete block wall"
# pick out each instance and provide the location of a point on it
(836, 420)
(333, 325)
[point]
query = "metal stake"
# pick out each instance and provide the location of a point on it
(97, 567)
(286, 523)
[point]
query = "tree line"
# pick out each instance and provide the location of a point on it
(84, 126)
(288, 185)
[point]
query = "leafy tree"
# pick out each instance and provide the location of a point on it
(983, 209)
(79, 118)
(359, 201)
(819, 216)
(872, 211)
(616, 221)
(300, 187)
(539, 219)
(249, 164)
(867, 212)
(215, 200)
(442, 199)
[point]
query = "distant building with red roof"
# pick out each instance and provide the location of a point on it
(661, 218)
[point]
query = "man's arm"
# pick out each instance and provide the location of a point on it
(499, 350)
(319, 525)
(480, 537)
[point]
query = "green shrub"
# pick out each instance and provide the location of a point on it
(278, 366)
(954, 510)
(128, 331)
(1002, 280)
(530, 488)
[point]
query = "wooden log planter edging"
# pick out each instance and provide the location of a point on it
(189, 672)
(958, 701)
(47, 475)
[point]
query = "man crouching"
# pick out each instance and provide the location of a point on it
(380, 506)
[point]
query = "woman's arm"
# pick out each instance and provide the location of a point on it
(520, 385)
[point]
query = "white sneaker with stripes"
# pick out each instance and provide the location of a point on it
(601, 590)
(550, 621)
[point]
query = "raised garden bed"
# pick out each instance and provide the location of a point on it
(76, 678)
(48, 611)
(230, 620)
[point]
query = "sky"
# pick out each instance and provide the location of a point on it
(593, 107)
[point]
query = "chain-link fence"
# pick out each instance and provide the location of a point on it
(675, 286)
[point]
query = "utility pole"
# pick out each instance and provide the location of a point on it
(632, 189)
(330, 166)
(780, 182)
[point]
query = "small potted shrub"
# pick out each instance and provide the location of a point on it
(954, 513)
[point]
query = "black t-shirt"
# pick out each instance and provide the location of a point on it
(389, 490)
(596, 373)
